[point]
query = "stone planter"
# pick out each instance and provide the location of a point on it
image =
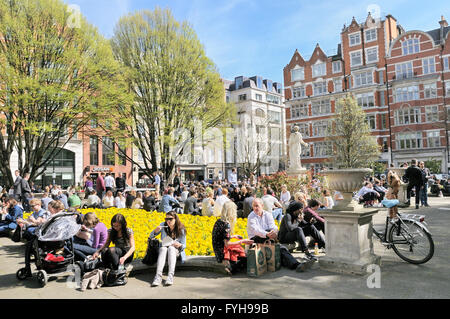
(346, 181)
(348, 242)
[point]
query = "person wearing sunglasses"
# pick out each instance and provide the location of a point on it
(38, 217)
(173, 237)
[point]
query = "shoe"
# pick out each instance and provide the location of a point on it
(310, 256)
(417, 206)
(301, 267)
(426, 205)
(408, 203)
(169, 281)
(157, 281)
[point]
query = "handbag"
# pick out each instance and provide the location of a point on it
(287, 260)
(151, 255)
(18, 234)
(113, 278)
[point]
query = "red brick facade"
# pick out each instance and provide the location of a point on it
(410, 107)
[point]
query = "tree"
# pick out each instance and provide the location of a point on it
(176, 88)
(353, 145)
(54, 78)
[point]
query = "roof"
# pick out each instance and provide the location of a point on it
(436, 34)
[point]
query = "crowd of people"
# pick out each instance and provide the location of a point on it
(298, 215)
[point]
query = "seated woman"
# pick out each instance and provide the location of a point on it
(173, 236)
(108, 200)
(93, 201)
(294, 229)
(327, 199)
(123, 239)
(120, 201)
(208, 203)
(149, 201)
(231, 254)
(11, 212)
(91, 236)
(138, 202)
(38, 217)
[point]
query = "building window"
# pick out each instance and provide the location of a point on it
(383, 122)
(428, 65)
(381, 77)
(298, 74)
(107, 151)
(320, 128)
(404, 70)
(372, 121)
(432, 113)
(319, 69)
(372, 55)
(242, 97)
(299, 111)
(258, 97)
(382, 98)
(364, 78)
(370, 35)
(94, 123)
(239, 82)
(259, 82)
(446, 63)
(93, 150)
(298, 92)
(365, 99)
(385, 147)
(336, 66)
(429, 91)
(354, 39)
(260, 113)
(303, 129)
(274, 117)
(407, 116)
(323, 149)
(410, 46)
(433, 139)
(355, 58)
(337, 85)
(407, 93)
(306, 152)
(320, 107)
(273, 99)
(320, 88)
(410, 140)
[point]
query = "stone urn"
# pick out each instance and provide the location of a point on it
(346, 181)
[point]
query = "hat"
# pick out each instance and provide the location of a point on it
(294, 206)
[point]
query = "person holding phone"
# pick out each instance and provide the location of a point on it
(231, 254)
(260, 224)
(173, 236)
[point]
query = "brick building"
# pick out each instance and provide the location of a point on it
(367, 51)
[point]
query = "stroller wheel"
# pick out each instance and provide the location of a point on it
(23, 273)
(42, 277)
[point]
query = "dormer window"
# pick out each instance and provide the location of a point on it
(319, 69)
(298, 74)
(370, 35)
(354, 39)
(410, 46)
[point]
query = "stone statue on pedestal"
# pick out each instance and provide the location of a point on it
(295, 149)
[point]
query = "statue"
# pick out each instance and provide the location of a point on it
(295, 149)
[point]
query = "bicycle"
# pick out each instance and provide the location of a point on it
(408, 236)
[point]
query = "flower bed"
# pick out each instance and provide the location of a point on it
(199, 228)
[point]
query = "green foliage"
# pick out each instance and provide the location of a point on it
(353, 144)
(177, 89)
(55, 78)
(434, 166)
(378, 167)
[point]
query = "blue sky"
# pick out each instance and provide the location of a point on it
(259, 37)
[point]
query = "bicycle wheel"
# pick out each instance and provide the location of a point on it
(413, 244)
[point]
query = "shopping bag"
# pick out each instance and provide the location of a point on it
(273, 255)
(256, 261)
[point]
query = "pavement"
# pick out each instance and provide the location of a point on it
(397, 279)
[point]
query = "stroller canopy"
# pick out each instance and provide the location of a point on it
(59, 227)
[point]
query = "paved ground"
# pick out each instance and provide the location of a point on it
(398, 278)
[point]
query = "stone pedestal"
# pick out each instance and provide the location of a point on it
(297, 172)
(349, 246)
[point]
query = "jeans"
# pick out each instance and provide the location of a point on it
(299, 235)
(7, 227)
(82, 249)
(111, 257)
(277, 214)
(424, 195)
(408, 192)
(172, 253)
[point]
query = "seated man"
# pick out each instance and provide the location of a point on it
(260, 224)
(10, 213)
(190, 205)
(168, 202)
(367, 195)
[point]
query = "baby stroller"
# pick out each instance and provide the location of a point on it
(52, 248)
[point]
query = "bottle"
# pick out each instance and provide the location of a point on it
(316, 249)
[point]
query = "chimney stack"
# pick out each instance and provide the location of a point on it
(443, 22)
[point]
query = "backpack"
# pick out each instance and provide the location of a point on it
(114, 277)
(151, 255)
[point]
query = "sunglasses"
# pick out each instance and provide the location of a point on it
(167, 219)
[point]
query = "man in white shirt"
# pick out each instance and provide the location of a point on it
(220, 200)
(272, 205)
(110, 183)
(233, 178)
(260, 224)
